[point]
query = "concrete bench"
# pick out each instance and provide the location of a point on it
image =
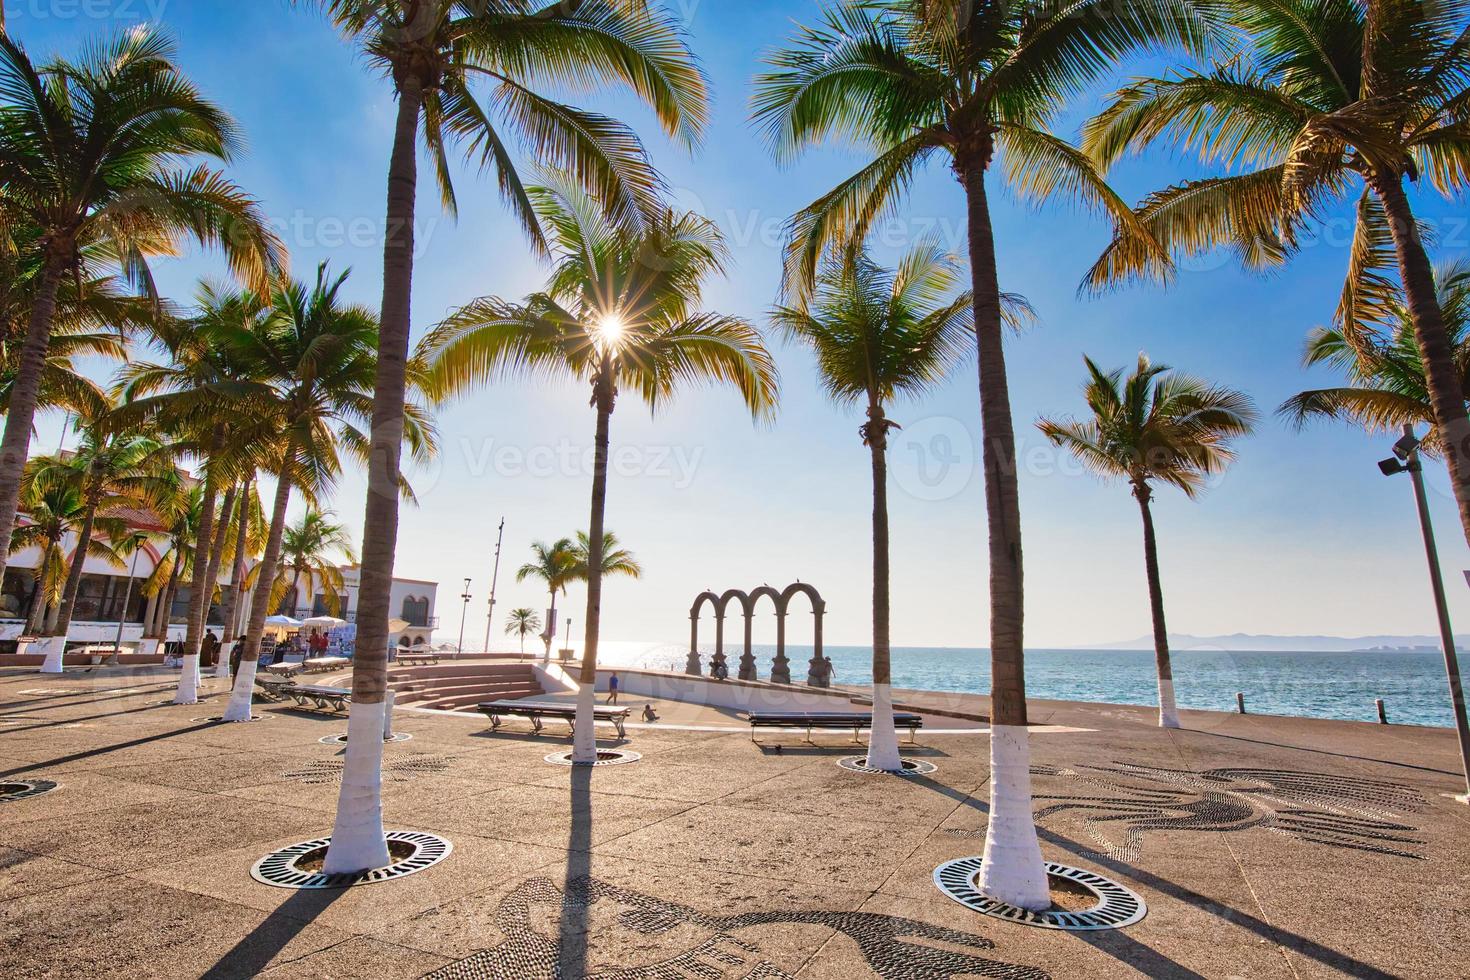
(319, 696)
(283, 670)
(322, 665)
(537, 710)
(855, 720)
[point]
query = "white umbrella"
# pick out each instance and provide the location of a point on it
(281, 621)
(324, 622)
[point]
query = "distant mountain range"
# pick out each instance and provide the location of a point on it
(1265, 643)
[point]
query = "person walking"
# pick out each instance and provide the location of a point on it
(612, 689)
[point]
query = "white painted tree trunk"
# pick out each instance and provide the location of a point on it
(883, 738)
(54, 650)
(1011, 869)
(222, 669)
(188, 692)
(388, 701)
(358, 843)
(584, 743)
(242, 693)
(1168, 713)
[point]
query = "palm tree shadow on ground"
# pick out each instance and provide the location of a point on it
(252, 954)
(576, 897)
(1153, 963)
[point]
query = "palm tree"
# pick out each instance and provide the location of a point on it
(1328, 98)
(433, 50)
(920, 80)
(129, 120)
(1387, 388)
(879, 334)
(311, 361)
(110, 471)
(191, 394)
(523, 622)
(1155, 425)
(616, 560)
(555, 564)
(312, 549)
(53, 511)
(180, 516)
(620, 312)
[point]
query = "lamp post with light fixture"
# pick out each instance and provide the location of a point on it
(1405, 459)
(459, 648)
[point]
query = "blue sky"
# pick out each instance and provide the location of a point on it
(1302, 536)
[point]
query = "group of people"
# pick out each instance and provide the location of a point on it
(649, 715)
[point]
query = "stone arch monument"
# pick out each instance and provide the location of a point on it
(819, 673)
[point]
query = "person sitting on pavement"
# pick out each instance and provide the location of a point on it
(648, 713)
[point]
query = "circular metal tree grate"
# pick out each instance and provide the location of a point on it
(203, 699)
(1116, 906)
(342, 738)
(222, 718)
(20, 789)
(605, 757)
(283, 868)
(911, 767)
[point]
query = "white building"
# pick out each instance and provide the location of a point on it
(108, 593)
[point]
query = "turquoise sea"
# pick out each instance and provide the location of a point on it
(1316, 685)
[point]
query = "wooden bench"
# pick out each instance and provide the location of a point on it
(417, 659)
(322, 665)
(319, 696)
(537, 710)
(273, 688)
(855, 720)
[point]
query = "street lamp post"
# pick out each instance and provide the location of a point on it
(466, 597)
(1406, 459)
(122, 616)
(494, 577)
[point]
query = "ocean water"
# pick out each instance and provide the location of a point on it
(1314, 685)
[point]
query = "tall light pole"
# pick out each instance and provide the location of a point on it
(466, 597)
(122, 616)
(1406, 459)
(494, 577)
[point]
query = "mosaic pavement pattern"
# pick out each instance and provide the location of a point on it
(398, 771)
(1125, 802)
(551, 933)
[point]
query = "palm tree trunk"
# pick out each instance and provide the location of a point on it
(288, 601)
(74, 575)
(1168, 713)
(584, 744)
(170, 591)
(357, 835)
(36, 615)
(1011, 870)
(883, 739)
(243, 690)
(188, 692)
(211, 574)
(550, 623)
(237, 573)
(15, 446)
(1435, 350)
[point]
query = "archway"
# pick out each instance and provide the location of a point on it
(819, 670)
(780, 666)
(747, 659)
(691, 663)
